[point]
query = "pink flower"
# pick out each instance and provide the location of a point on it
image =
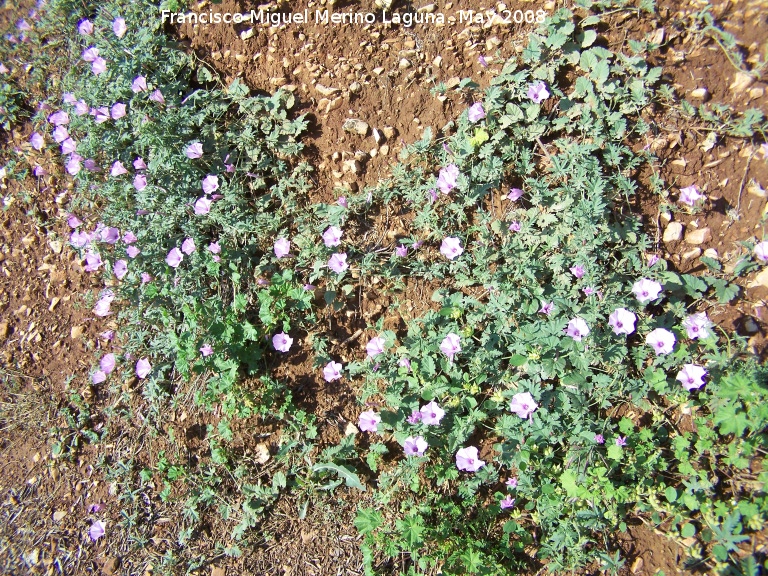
(401, 251)
(214, 248)
(188, 246)
(129, 237)
(467, 459)
(37, 141)
(538, 92)
(696, 325)
(132, 251)
(85, 27)
(140, 182)
(515, 194)
(577, 270)
(118, 111)
(577, 329)
(547, 308)
(431, 414)
(507, 502)
(691, 376)
(139, 84)
(332, 371)
(118, 169)
(210, 184)
(451, 345)
(523, 404)
(511, 482)
(690, 194)
(662, 341)
(92, 262)
(120, 269)
(119, 27)
(73, 166)
(98, 377)
(282, 342)
(332, 236)
(109, 235)
(514, 226)
(145, 277)
(369, 421)
(446, 179)
(174, 258)
(90, 54)
(206, 350)
(599, 439)
(375, 346)
(157, 96)
(761, 250)
(99, 66)
(107, 363)
(476, 112)
(96, 530)
(282, 247)
(622, 321)
(404, 363)
(338, 263)
(60, 134)
(203, 205)
(415, 446)
(646, 290)
(415, 417)
(451, 247)
(143, 368)
(342, 201)
(194, 150)
(139, 164)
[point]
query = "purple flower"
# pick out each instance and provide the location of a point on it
(73, 166)
(332, 236)
(515, 194)
(432, 195)
(107, 363)
(140, 182)
(102, 305)
(118, 169)
(690, 194)
(109, 235)
(206, 350)
(119, 27)
(401, 251)
(621, 441)
(338, 262)
(60, 134)
(139, 84)
(92, 262)
(514, 226)
(761, 250)
(90, 54)
(282, 247)
(98, 377)
(646, 290)
(450, 346)
(282, 342)
(194, 150)
(599, 439)
(81, 108)
(139, 164)
(691, 376)
(507, 502)
(79, 239)
(210, 184)
(652, 259)
(4, 69)
(143, 368)
(214, 248)
(547, 308)
(577, 271)
(157, 96)
(37, 141)
(369, 421)
(696, 325)
(404, 363)
(415, 417)
(118, 111)
(446, 179)
(467, 459)
(308, 287)
(73, 221)
(203, 205)
(129, 237)
(188, 246)
(95, 508)
(342, 201)
(99, 66)
(59, 118)
(174, 258)
(577, 329)
(431, 414)
(538, 92)
(132, 251)
(96, 530)
(85, 27)
(332, 371)
(476, 112)
(451, 247)
(622, 321)
(511, 482)
(375, 346)
(662, 341)
(120, 269)
(523, 404)
(39, 171)
(415, 446)
(145, 277)
(481, 60)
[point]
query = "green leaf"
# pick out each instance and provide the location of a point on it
(688, 530)
(368, 520)
(344, 472)
(615, 452)
(671, 494)
(589, 38)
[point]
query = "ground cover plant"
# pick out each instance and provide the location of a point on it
(563, 380)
